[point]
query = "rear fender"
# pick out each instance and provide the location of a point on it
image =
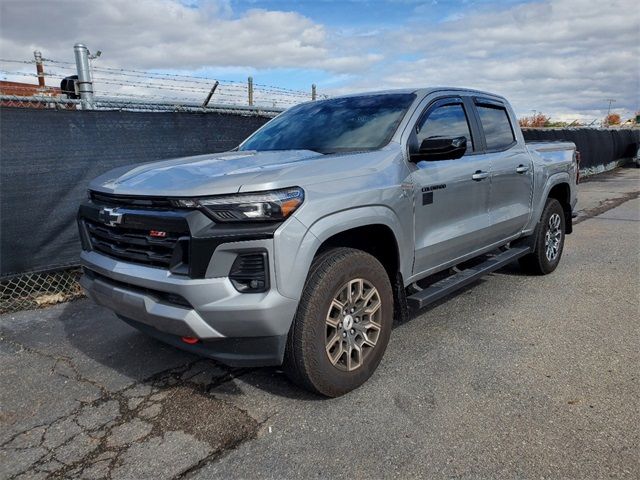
(541, 198)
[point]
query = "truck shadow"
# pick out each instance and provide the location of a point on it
(107, 348)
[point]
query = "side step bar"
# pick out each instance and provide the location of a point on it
(450, 284)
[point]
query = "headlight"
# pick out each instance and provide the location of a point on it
(260, 206)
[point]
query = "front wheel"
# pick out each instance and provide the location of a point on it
(548, 241)
(342, 325)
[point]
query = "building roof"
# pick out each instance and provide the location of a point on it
(26, 89)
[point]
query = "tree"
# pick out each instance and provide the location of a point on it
(612, 119)
(535, 121)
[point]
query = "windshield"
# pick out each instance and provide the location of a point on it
(338, 125)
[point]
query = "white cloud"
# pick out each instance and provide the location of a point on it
(157, 34)
(561, 57)
(556, 56)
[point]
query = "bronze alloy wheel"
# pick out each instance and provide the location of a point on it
(353, 324)
(343, 323)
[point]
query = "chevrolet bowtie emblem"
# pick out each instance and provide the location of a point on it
(109, 216)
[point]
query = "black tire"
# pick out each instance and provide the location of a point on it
(537, 262)
(306, 361)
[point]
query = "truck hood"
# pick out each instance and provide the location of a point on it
(230, 172)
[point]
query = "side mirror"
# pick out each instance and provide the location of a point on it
(440, 148)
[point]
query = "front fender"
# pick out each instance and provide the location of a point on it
(296, 245)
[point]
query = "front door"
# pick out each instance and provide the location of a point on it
(452, 196)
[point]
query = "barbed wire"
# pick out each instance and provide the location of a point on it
(150, 84)
(51, 60)
(194, 78)
(180, 95)
(175, 77)
(4, 60)
(142, 85)
(43, 101)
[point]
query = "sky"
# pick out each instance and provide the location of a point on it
(564, 58)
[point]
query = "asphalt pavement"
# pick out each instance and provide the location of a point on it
(513, 377)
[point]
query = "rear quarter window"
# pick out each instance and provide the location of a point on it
(496, 126)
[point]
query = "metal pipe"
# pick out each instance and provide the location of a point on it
(250, 88)
(213, 89)
(39, 68)
(85, 85)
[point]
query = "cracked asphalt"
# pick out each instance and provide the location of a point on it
(515, 376)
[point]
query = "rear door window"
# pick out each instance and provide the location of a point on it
(497, 127)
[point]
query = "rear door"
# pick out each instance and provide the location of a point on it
(511, 169)
(451, 204)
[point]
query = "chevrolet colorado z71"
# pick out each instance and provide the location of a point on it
(299, 247)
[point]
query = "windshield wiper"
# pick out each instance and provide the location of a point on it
(317, 151)
(321, 152)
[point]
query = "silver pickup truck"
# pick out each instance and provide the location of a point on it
(301, 246)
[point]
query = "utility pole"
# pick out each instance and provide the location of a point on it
(250, 90)
(314, 94)
(39, 68)
(606, 120)
(85, 84)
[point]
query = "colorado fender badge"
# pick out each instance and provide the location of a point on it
(427, 193)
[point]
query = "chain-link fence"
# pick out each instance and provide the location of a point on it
(53, 140)
(40, 289)
(49, 153)
(51, 146)
(44, 101)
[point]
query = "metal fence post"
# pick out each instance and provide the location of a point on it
(85, 85)
(250, 89)
(211, 92)
(39, 68)
(314, 94)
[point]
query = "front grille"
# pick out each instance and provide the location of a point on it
(132, 245)
(129, 201)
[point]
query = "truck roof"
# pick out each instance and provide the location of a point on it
(422, 92)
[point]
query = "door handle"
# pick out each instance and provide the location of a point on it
(522, 168)
(479, 175)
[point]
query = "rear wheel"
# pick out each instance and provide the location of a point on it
(343, 323)
(548, 241)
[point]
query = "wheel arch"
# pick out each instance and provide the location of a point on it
(376, 235)
(556, 186)
(374, 229)
(561, 191)
(376, 239)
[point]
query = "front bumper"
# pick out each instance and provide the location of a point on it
(236, 352)
(239, 329)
